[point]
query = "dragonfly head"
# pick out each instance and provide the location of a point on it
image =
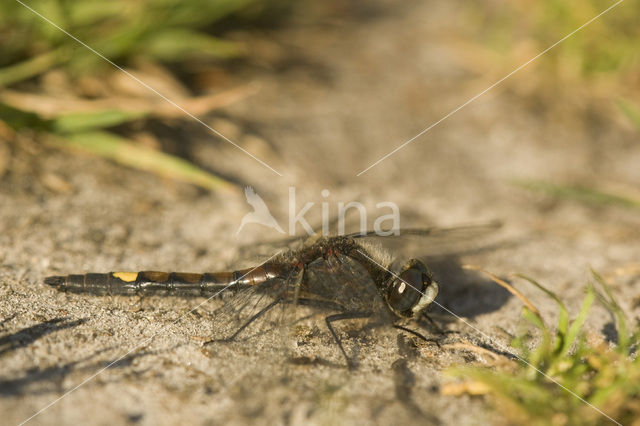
(411, 290)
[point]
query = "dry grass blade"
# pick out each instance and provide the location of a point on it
(52, 106)
(471, 387)
(200, 105)
(494, 358)
(130, 154)
(507, 287)
(83, 131)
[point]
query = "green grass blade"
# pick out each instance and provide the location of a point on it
(131, 154)
(18, 119)
(576, 325)
(33, 66)
(611, 304)
(563, 316)
(180, 44)
(533, 318)
(605, 378)
(579, 193)
(631, 110)
(539, 356)
(602, 395)
(85, 121)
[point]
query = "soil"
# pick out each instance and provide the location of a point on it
(335, 95)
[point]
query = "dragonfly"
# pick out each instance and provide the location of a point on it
(349, 276)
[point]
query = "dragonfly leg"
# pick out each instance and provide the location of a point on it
(415, 333)
(435, 325)
(408, 330)
(340, 317)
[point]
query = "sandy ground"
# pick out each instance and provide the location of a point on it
(340, 96)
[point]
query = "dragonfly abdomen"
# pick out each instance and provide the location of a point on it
(165, 283)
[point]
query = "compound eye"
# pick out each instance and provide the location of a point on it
(404, 293)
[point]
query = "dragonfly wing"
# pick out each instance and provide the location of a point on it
(258, 251)
(248, 312)
(434, 241)
(252, 325)
(342, 283)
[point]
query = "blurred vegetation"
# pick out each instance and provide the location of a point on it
(162, 30)
(599, 63)
(595, 69)
(581, 193)
(605, 376)
(167, 33)
(592, 75)
(606, 51)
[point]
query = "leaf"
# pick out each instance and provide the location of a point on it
(131, 154)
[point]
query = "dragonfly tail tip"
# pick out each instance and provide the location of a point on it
(54, 281)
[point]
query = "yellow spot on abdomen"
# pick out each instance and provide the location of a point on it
(126, 276)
